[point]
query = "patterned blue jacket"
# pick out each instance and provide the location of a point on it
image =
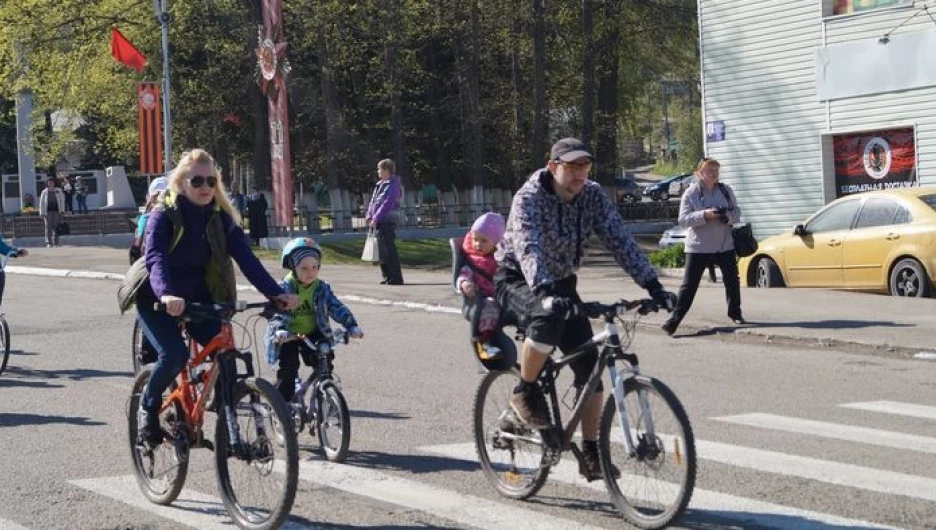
(326, 305)
(545, 236)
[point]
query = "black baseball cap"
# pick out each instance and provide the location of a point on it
(569, 149)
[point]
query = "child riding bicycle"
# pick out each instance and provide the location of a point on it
(303, 258)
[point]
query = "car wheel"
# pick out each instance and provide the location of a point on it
(768, 274)
(909, 278)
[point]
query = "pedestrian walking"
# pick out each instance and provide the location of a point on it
(51, 206)
(81, 192)
(383, 215)
(707, 210)
(256, 214)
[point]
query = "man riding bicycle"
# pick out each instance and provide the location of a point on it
(551, 217)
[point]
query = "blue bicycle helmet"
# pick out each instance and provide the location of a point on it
(299, 248)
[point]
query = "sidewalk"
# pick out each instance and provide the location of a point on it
(812, 317)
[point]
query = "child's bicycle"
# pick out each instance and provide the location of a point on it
(257, 481)
(325, 409)
(648, 459)
(4, 327)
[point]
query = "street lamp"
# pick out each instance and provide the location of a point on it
(162, 16)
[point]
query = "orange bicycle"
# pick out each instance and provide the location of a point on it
(257, 476)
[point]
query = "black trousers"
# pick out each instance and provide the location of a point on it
(696, 263)
(389, 258)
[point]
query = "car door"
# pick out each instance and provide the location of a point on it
(877, 232)
(815, 258)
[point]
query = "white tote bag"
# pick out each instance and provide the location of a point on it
(370, 253)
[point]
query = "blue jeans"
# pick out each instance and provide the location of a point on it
(82, 204)
(163, 333)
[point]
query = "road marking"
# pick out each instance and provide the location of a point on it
(465, 510)
(10, 525)
(747, 512)
(191, 508)
(836, 431)
(894, 407)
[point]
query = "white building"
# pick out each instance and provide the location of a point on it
(807, 100)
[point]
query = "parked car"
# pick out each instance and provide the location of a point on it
(672, 186)
(626, 189)
(878, 241)
(673, 236)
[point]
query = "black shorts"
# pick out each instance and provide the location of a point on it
(523, 308)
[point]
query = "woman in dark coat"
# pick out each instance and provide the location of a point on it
(256, 213)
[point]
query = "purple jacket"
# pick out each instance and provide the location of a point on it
(385, 202)
(182, 272)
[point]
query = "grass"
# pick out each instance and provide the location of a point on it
(429, 253)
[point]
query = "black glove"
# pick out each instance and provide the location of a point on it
(661, 296)
(561, 305)
(135, 254)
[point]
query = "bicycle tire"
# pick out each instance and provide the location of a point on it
(5, 346)
(651, 456)
(332, 404)
(507, 478)
(136, 346)
(144, 477)
(261, 459)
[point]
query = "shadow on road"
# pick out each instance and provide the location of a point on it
(75, 374)
(379, 415)
(8, 419)
(720, 519)
(412, 463)
(6, 382)
(812, 324)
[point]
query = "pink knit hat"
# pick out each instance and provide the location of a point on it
(490, 224)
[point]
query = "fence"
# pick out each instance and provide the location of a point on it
(440, 216)
(94, 222)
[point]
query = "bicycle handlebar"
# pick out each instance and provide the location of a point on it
(598, 309)
(214, 310)
(339, 336)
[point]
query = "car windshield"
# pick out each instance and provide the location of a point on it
(930, 200)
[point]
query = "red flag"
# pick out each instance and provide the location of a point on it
(124, 51)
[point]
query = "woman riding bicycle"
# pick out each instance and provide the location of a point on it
(190, 240)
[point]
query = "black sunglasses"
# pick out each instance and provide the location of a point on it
(199, 181)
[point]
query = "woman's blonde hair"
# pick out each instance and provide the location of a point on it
(705, 162)
(183, 171)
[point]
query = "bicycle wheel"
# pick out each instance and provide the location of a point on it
(333, 423)
(257, 482)
(511, 455)
(656, 482)
(159, 471)
(136, 346)
(4, 343)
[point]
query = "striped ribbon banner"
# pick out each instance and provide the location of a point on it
(151, 148)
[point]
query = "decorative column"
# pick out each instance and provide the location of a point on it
(273, 66)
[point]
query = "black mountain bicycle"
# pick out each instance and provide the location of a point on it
(646, 446)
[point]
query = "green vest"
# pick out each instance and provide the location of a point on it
(303, 319)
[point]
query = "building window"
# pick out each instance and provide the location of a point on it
(850, 7)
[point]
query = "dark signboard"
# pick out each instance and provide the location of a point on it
(874, 160)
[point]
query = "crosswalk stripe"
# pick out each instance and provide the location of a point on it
(748, 512)
(877, 480)
(466, 510)
(191, 508)
(10, 525)
(836, 431)
(895, 407)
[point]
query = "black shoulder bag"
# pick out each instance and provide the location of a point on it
(742, 234)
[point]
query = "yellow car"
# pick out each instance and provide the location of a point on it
(880, 241)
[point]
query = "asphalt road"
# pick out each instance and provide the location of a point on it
(788, 438)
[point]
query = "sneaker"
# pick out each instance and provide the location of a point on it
(669, 327)
(590, 467)
(489, 352)
(152, 432)
(530, 406)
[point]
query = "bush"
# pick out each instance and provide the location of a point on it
(673, 257)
